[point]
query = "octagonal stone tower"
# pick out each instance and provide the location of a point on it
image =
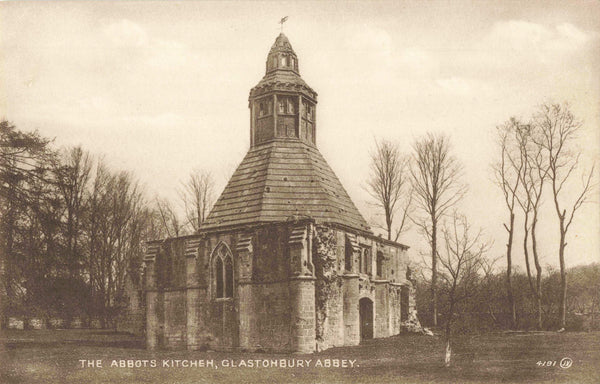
(282, 104)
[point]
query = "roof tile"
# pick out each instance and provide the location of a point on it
(281, 179)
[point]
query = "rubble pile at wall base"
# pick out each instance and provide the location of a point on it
(413, 325)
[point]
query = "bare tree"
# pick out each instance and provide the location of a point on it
(168, 218)
(435, 175)
(197, 195)
(389, 186)
(558, 130)
(115, 229)
(533, 177)
(508, 176)
(462, 265)
(95, 226)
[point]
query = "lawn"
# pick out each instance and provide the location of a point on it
(45, 356)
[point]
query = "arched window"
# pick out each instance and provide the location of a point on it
(365, 260)
(379, 264)
(348, 257)
(228, 277)
(223, 272)
(219, 276)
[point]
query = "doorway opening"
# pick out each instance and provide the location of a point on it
(366, 318)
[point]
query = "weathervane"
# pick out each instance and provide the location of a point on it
(283, 20)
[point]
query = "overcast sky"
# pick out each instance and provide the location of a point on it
(162, 88)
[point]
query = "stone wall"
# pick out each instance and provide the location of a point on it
(395, 309)
(381, 326)
(175, 319)
(132, 318)
(184, 312)
(351, 315)
(292, 289)
(341, 323)
(268, 317)
(271, 261)
(302, 324)
(333, 327)
(328, 284)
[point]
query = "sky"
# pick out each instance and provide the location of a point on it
(161, 88)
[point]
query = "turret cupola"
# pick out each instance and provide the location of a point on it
(282, 56)
(282, 105)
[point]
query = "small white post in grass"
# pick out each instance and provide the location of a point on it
(448, 353)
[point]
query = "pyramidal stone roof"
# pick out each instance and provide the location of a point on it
(284, 176)
(283, 180)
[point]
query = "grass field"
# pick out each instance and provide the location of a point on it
(53, 357)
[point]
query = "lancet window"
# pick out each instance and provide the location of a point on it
(223, 272)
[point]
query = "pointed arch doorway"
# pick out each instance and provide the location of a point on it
(366, 318)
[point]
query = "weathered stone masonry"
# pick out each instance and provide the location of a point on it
(288, 296)
(284, 261)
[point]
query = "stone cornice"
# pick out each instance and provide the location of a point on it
(282, 86)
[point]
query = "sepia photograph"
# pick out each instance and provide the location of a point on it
(300, 191)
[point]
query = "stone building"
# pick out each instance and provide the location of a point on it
(284, 261)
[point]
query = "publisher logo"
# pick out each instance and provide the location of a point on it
(566, 362)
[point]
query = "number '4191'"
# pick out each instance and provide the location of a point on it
(549, 363)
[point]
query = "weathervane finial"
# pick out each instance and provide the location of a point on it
(283, 20)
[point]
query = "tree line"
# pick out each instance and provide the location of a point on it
(73, 229)
(537, 161)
